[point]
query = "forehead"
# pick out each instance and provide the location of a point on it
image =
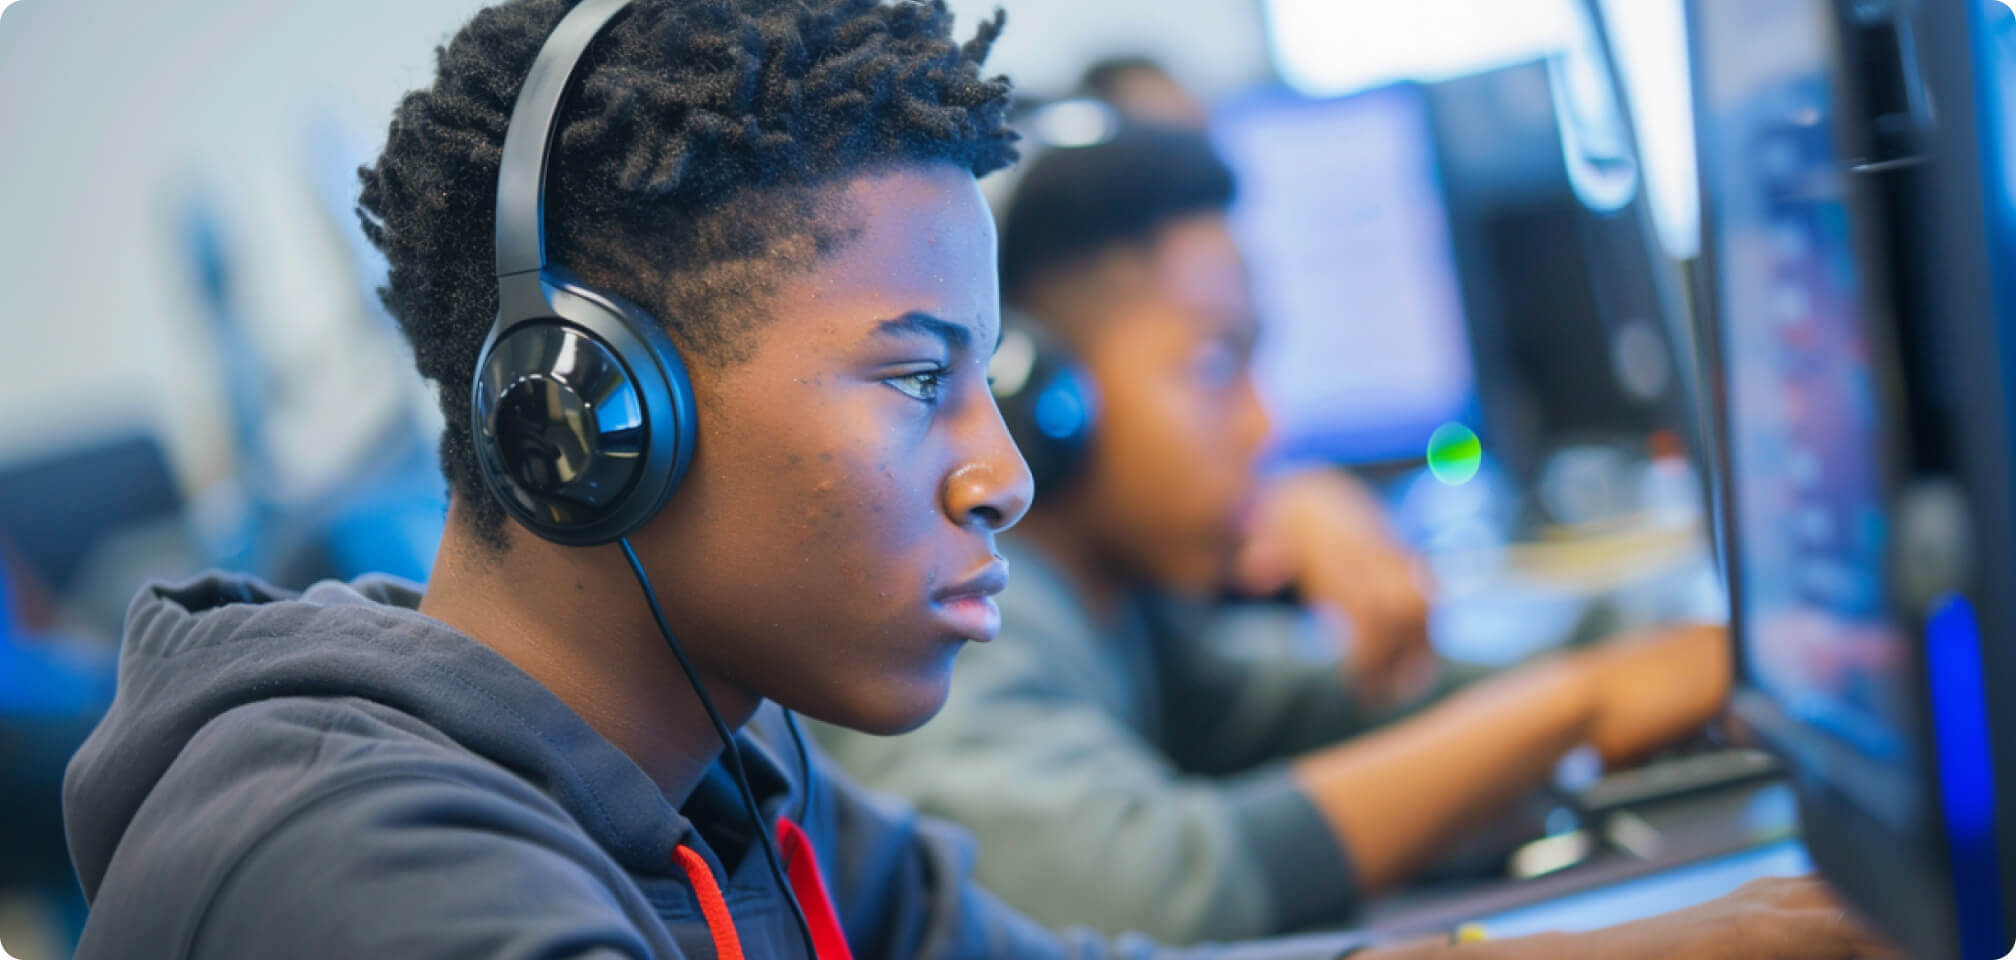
(1196, 264)
(922, 240)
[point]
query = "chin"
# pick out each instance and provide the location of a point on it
(886, 707)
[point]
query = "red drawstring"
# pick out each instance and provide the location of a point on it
(801, 867)
(801, 864)
(713, 906)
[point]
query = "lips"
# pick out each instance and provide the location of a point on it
(967, 607)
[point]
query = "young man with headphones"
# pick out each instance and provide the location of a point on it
(708, 290)
(1119, 767)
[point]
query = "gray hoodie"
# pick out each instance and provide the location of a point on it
(335, 775)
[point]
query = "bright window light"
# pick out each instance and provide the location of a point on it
(1327, 48)
(1073, 123)
(1651, 41)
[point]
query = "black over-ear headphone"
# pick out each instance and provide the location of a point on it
(1047, 398)
(581, 410)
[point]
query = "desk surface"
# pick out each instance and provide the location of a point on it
(1662, 892)
(1699, 830)
(1503, 604)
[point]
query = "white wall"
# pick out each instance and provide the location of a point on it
(1218, 46)
(109, 109)
(1331, 47)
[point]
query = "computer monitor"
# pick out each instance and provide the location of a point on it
(1569, 309)
(1364, 351)
(1843, 384)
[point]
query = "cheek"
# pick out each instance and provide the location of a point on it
(865, 504)
(1183, 430)
(802, 489)
(1171, 429)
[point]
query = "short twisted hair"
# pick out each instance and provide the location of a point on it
(687, 169)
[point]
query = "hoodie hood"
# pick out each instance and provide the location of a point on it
(199, 649)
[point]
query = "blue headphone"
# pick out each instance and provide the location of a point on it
(1047, 398)
(582, 411)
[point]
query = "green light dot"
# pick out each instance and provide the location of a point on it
(1454, 453)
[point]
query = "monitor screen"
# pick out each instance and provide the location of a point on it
(1364, 350)
(1809, 433)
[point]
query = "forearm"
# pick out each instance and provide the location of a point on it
(1392, 796)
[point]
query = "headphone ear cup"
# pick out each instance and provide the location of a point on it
(1047, 399)
(583, 420)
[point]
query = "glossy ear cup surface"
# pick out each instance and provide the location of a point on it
(583, 420)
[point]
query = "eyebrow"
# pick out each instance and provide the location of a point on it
(956, 337)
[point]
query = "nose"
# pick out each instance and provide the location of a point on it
(990, 487)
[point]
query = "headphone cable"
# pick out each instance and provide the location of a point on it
(729, 750)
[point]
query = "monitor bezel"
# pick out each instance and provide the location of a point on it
(1884, 873)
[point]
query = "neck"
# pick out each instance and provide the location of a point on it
(575, 619)
(1062, 539)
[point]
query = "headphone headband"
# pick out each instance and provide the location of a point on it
(581, 410)
(528, 141)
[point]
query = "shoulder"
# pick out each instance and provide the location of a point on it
(264, 759)
(336, 786)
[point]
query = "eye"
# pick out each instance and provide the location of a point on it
(922, 385)
(1218, 366)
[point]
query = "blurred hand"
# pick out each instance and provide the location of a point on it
(1776, 918)
(1322, 533)
(1656, 686)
